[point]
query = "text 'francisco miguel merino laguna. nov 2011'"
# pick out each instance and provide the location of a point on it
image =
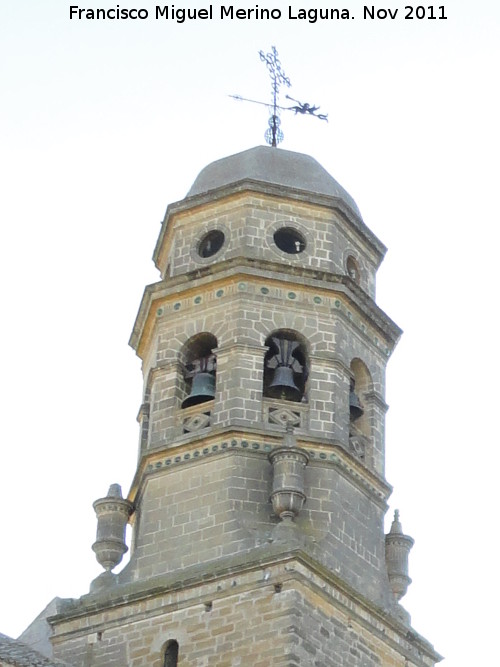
(257, 13)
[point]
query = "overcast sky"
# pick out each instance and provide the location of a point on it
(103, 123)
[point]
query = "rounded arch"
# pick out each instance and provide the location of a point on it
(361, 375)
(286, 366)
(197, 346)
(352, 268)
(170, 653)
(199, 369)
(361, 384)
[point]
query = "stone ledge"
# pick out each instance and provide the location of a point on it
(268, 565)
(258, 443)
(250, 269)
(250, 186)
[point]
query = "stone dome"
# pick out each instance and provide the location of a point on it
(273, 166)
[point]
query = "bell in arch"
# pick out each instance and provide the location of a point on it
(202, 371)
(355, 407)
(283, 386)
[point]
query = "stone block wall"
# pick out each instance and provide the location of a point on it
(288, 621)
(247, 628)
(217, 505)
(249, 222)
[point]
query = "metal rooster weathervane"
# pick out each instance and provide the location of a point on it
(274, 134)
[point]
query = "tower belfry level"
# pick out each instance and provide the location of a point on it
(259, 498)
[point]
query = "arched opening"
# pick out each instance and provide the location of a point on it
(171, 653)
(360, 384)
(353, 269)
(144, 411)
(199, 366)
(286, 366)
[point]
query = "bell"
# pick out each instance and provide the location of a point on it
(355, 409)
(202, 390)
(283, 385)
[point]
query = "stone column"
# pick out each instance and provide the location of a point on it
(143, 419)
(165, 401)
(328, 395)
(238, 392)
(375, 409)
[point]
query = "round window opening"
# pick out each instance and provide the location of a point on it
(289, 240)
(211, 243)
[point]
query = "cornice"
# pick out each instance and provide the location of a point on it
(251, 186)
(257, 443)
(242, 268)
(286, 565)
(376, 399)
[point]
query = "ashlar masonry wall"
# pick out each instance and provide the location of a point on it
(216, 505)
(286, 621)
(249, 221)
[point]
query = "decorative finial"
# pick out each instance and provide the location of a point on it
(274, 135)
(397, 549)
(396, 527)
(112, 513)
(288, 495)
(115, 491)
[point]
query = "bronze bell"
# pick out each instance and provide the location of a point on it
(283, 385)
(355, 408)
(202, 389)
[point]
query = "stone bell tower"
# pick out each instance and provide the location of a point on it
(259, 498)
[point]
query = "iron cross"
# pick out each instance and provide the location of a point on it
(274, 134)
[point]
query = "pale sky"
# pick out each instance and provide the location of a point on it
(103, 123)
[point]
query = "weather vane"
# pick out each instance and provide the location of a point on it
(274, 134)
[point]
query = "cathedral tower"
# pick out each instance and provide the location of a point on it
(259, 498)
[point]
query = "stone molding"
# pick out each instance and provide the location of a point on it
(166, 294)
(249, 187)
(267, 565)
(335, 455)
(144, 411)
(374, 398)
(278, 413)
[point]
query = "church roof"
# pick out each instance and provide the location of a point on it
(273, 166)
(15, 653)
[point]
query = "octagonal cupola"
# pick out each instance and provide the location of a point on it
(270, 205)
